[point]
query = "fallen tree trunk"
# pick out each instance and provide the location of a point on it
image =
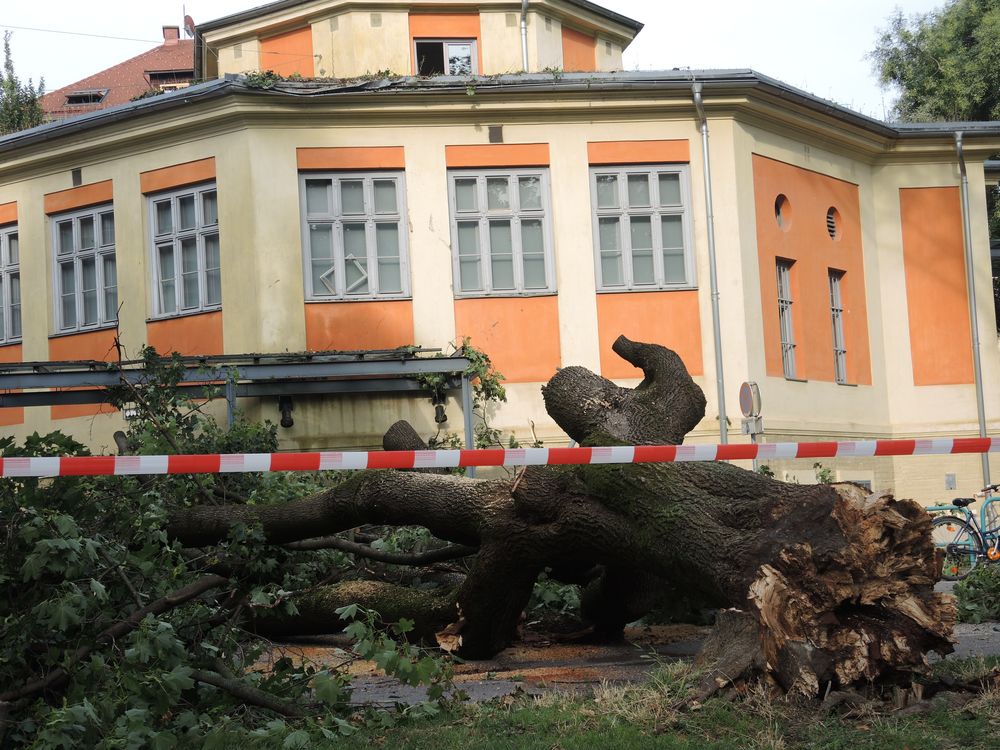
(835, 587)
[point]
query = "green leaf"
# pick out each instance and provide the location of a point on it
(297, 739)
(347, 613)
(98, 590)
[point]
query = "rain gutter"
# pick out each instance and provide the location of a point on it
(720, 384)
(970, 280)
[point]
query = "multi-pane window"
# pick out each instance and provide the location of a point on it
(837, 316)
(10, 286)
(641, 227)
(355, 235)
(453, 57)
(86, 274)
(186, 265)
(784, 270)
(500, 232)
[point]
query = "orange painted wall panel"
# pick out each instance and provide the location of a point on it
(351, 157)
(79, 197)
(668, 318)
(937, 297)
(8, 213)
(93, 345)
(11, 416)
(579, 51)
(177, 175)
(352, 326)
(289, 53)
(521, 334)
(639, 152)
(497, 155)
(804, 239)
(189, 335)
(445, 26)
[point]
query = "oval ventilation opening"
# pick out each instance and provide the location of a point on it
(783, 212)
(833, 223)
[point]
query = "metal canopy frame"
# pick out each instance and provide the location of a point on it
(243, 376)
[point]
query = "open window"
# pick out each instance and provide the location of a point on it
(453, 57)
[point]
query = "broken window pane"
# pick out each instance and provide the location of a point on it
(460, 59)
(607, 191)
(530, 193)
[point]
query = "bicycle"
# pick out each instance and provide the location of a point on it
(964, 539)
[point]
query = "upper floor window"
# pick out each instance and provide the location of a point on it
(500, 232)
(641, 227)
(355, 235)
(10, 286)
(186, 264)
(453, 57)
(837, 317)
(86, 273)
(787, 331)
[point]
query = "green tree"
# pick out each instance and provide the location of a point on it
(20, 103)
(943, 63)
(944, 66)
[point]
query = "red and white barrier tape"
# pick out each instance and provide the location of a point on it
(332, 460)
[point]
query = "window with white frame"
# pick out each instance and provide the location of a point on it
(784, 273)
(186, 264)
(10, 286)
(641, 227)
(86, 273)
(452, 57)
(500, 232)
(355, 235)
(837, 317)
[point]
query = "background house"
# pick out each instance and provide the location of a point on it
(541, 214)
(164, 68)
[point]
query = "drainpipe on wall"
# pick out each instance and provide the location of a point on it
(970, 280)
(524, 35)
(720, 386)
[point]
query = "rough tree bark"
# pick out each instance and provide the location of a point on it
(830, 586)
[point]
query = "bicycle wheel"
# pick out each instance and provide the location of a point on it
(960, 546)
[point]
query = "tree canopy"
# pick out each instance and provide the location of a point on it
(20, 103)
(943, 63)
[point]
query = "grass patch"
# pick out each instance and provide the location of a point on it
(635, 717)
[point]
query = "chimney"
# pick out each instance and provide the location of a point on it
(171, 34)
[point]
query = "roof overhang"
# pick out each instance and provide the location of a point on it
(742, 94)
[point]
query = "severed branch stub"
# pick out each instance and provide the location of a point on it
(829, 587)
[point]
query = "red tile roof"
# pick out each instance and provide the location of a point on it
(172, 61)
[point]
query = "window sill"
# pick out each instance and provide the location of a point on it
(185, 314)
(334, 300)
(12, 342)
(80, 331)
(505, 295)
(848, 385)
(795, 380)
(642, 289)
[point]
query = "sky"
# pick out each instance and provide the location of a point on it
(816, 45)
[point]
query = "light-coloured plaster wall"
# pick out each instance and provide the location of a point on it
(228, 62)
(609, 55)
(544, 42)
(501, 42)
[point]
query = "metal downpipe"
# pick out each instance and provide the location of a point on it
(524, 35)
(970, 280)
(720, 384)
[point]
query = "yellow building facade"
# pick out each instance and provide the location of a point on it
(541, 215)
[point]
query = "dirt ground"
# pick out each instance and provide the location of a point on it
(537, 663)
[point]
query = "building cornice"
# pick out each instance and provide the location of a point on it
(741, 95)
